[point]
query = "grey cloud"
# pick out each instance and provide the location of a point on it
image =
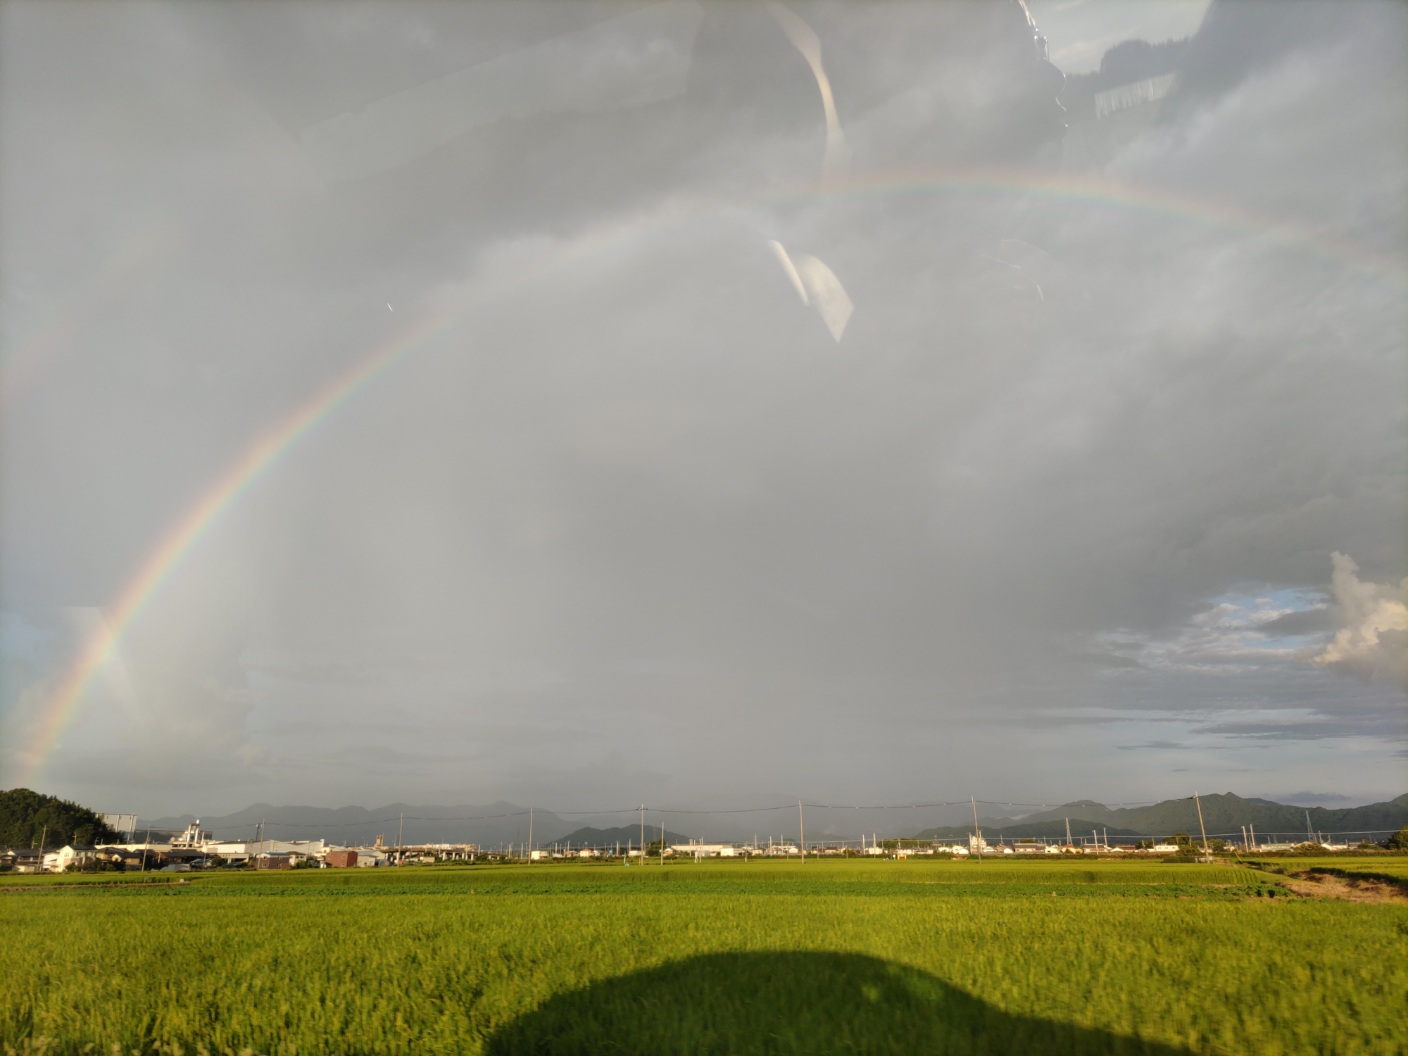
(319, 673)
(1110, 718)
(1187, 747)
(1313, 798)
(626, 488)
(633, 59)
(1319, 728)
(1111, 660)
(1306, 621)
(1154, 745)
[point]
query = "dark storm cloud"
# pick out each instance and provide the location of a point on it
(631, 522)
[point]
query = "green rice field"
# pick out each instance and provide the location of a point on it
(730, 957)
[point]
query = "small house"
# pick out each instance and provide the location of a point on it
(69, 857)
(22, 860)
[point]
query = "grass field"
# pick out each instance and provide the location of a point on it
(826, 956)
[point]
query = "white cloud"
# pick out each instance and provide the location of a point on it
(1233, 635)
(1372, 639)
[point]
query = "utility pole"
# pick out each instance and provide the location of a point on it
(400, 831)
(1202, 828)
(1068, 832)
(1252, 830)
(642, 834)
(802, 832)
(977, 832)
(530, 834)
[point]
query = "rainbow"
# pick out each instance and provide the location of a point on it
(1103, 193)
(197, 519)
(256, 459)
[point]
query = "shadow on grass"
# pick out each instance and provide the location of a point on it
(793, 1003)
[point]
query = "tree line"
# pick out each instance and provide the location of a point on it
(28, 818)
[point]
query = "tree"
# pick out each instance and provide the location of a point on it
(26, 817)
(1398, 841)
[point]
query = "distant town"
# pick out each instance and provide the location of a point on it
(195, 848)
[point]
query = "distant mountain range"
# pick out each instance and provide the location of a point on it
(488, 825)
(625, 835)
(500, 823)
(1222, 814)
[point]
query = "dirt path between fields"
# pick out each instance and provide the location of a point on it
(1311, 884)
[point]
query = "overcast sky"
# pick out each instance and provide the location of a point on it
(736, 402)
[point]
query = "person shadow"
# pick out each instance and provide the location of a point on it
(798, 1002)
